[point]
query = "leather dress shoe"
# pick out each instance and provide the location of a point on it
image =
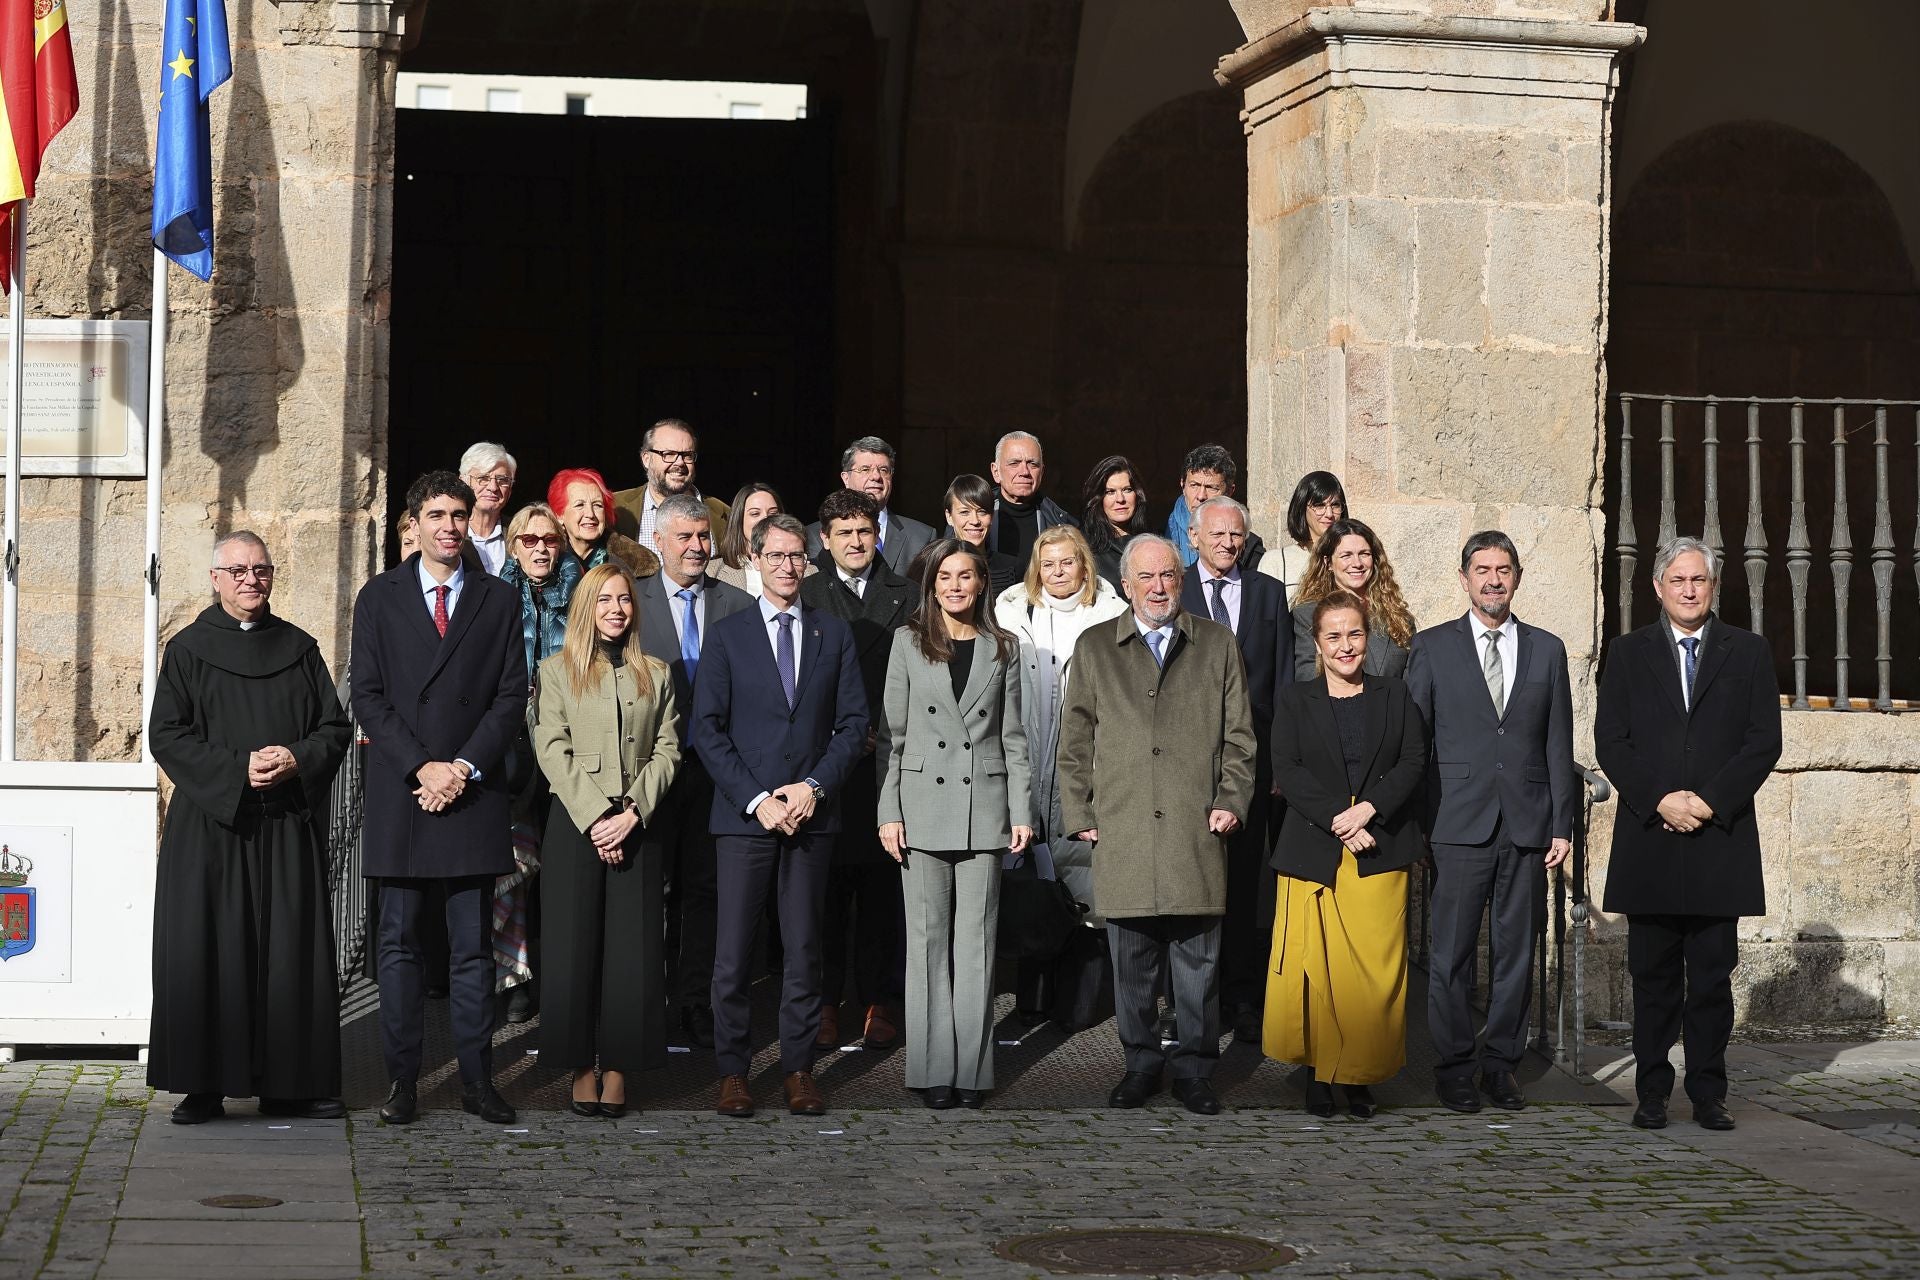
(1456, 1093)
(198, 1108)
(1320, 1099)
(1650, 1114)
(970, 1098)
(1197, 1096)
(520, 1007)
(613, 1110)
(1503, 1089)
(880, 1034)
(304, 1108)
(697, 1022)
(1712, 1114)
(735, 1098)
(402, 1105)
(483, 1100)
(938, 1097)
(1134, 1089)
(1360, 1103)
(1246, 1024)
(828, 1037)
(803, 1095)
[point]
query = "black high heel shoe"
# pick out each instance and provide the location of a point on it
(1360, 1103)
(587, 1109)
(1320, 1099)
(612, 1110)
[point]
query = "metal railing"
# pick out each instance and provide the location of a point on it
(345, 885)
(1571, 913)
(1691, 463)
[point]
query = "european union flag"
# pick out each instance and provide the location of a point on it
(194, 62)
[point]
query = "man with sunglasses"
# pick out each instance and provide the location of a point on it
(668, 453)
(246, 724)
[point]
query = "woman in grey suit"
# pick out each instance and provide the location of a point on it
(952, 757)
(1349, 557)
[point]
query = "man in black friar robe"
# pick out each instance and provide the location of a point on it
(248, 727)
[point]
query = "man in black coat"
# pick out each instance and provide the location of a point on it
(1254, 607)
(439, 677)
(855, 585)
(678, 606)
(1501, 793)
(1687, 729)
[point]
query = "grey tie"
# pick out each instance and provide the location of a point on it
(1220, 614)
(1154, 641)
(1496, 675)
(783, 654)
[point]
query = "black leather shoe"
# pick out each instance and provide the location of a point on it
(1197, 1096)
(304, 1108)
(520, 1004)
(1712, 1114)
(613, 1110)
(1246, 1025)
(1650, 1114)
(970, 1098)
(697, 1022)
(1360, 1103)
(1134, 1089)
(484, 1100)
(938, 1097)
(198, 1108)
(1320, 1099)
(588, 1109)
(1503, 1089)
(1456, 1094)
(403, 1104)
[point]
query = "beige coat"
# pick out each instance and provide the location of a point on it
(1145, 753)
(615, 742)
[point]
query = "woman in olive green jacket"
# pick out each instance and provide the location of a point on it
(608, 738)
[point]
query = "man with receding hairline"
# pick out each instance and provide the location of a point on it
(1020, 509)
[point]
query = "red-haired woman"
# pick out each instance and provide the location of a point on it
(584, 505)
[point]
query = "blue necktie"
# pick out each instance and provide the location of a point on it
(1154, 641)
(1692, 645)
(1220, 614)
(690, 636)
(783, 655)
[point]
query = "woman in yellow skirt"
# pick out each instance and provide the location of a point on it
(1349, 758)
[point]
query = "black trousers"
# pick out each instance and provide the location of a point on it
(681, 826)
(1246, 943)
(1682, 969)
(1509, 881)
(1180, 954)
(404, 907)
(602, 982)
(793, 871)
(864, 899)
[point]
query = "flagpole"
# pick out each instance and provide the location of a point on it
(156, 425)
(16, 365)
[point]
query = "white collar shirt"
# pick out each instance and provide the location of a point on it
(855, 582)
(492, 548)
(455, 581)
(1509, 646)
(767, 615)
(1680, 656)
(677, 607)
(1229, 594)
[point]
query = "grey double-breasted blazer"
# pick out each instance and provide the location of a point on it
(954, 771)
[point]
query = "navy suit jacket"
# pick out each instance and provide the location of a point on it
(1265, 638)
(653, 596)
(751, 741)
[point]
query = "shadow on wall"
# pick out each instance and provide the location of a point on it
(1793, 986)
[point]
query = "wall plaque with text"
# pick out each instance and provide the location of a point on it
(85, 397)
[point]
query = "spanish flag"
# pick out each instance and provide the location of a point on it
(38, 95)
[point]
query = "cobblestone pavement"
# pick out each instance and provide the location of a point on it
(1561, 1190)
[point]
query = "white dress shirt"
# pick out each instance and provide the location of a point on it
(767, 615)
(1509, 646)
(455, 581)
(1165, 633)
(1680, 657)
(855, 582)
(492, 548)
(1229, 596)
(677, 608)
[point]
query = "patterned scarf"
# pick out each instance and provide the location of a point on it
(543, 606)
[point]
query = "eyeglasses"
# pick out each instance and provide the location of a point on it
(532, 540)
(794, 558)
(673, 456)
(239, 572)
(502, 483)
(864, 472)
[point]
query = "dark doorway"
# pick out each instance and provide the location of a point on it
(562, 281)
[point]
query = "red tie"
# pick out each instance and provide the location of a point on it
(440, 608)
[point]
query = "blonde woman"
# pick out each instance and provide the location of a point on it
(1349, 558)
(608, 739)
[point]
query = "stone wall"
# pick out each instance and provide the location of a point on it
(275, 372)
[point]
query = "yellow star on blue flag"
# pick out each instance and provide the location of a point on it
(183, 150)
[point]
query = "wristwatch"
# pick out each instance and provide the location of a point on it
(819, 792)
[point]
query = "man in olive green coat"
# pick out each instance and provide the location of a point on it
(1156, 769)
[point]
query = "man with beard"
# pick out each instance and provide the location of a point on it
(1020, 511)
(1501, 794)
(247, 726)
(1156, 767)
(668, 453)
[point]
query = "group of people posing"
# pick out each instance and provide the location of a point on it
(679, 741)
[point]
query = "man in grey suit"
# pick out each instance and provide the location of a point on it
(868, 466)
(676, 606)
(1501, 795)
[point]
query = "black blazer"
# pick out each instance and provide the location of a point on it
(1266, 651)
(1310, 771)
(661, 638)
(1649, 744)
(420, 697)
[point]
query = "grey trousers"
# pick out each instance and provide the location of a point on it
(1469, 878)
(953, 909)
(1177, 953)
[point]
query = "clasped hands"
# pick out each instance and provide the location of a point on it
(1350, 826)
(893, 838)
(441, 782)
(787, 808)
(269, 767)
(609, 834)
(1684, 811)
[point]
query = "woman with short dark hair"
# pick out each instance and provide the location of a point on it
(968, 506)
(1318, 500)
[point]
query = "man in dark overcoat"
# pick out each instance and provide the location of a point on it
(856, 585)
(1687, 729)
(439, 678)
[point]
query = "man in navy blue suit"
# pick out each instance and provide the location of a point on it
(779, 719)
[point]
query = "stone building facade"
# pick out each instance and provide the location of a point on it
(1379, 237)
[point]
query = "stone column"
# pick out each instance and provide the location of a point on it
(1427, 260)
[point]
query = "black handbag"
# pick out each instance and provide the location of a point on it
(1036, 916)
